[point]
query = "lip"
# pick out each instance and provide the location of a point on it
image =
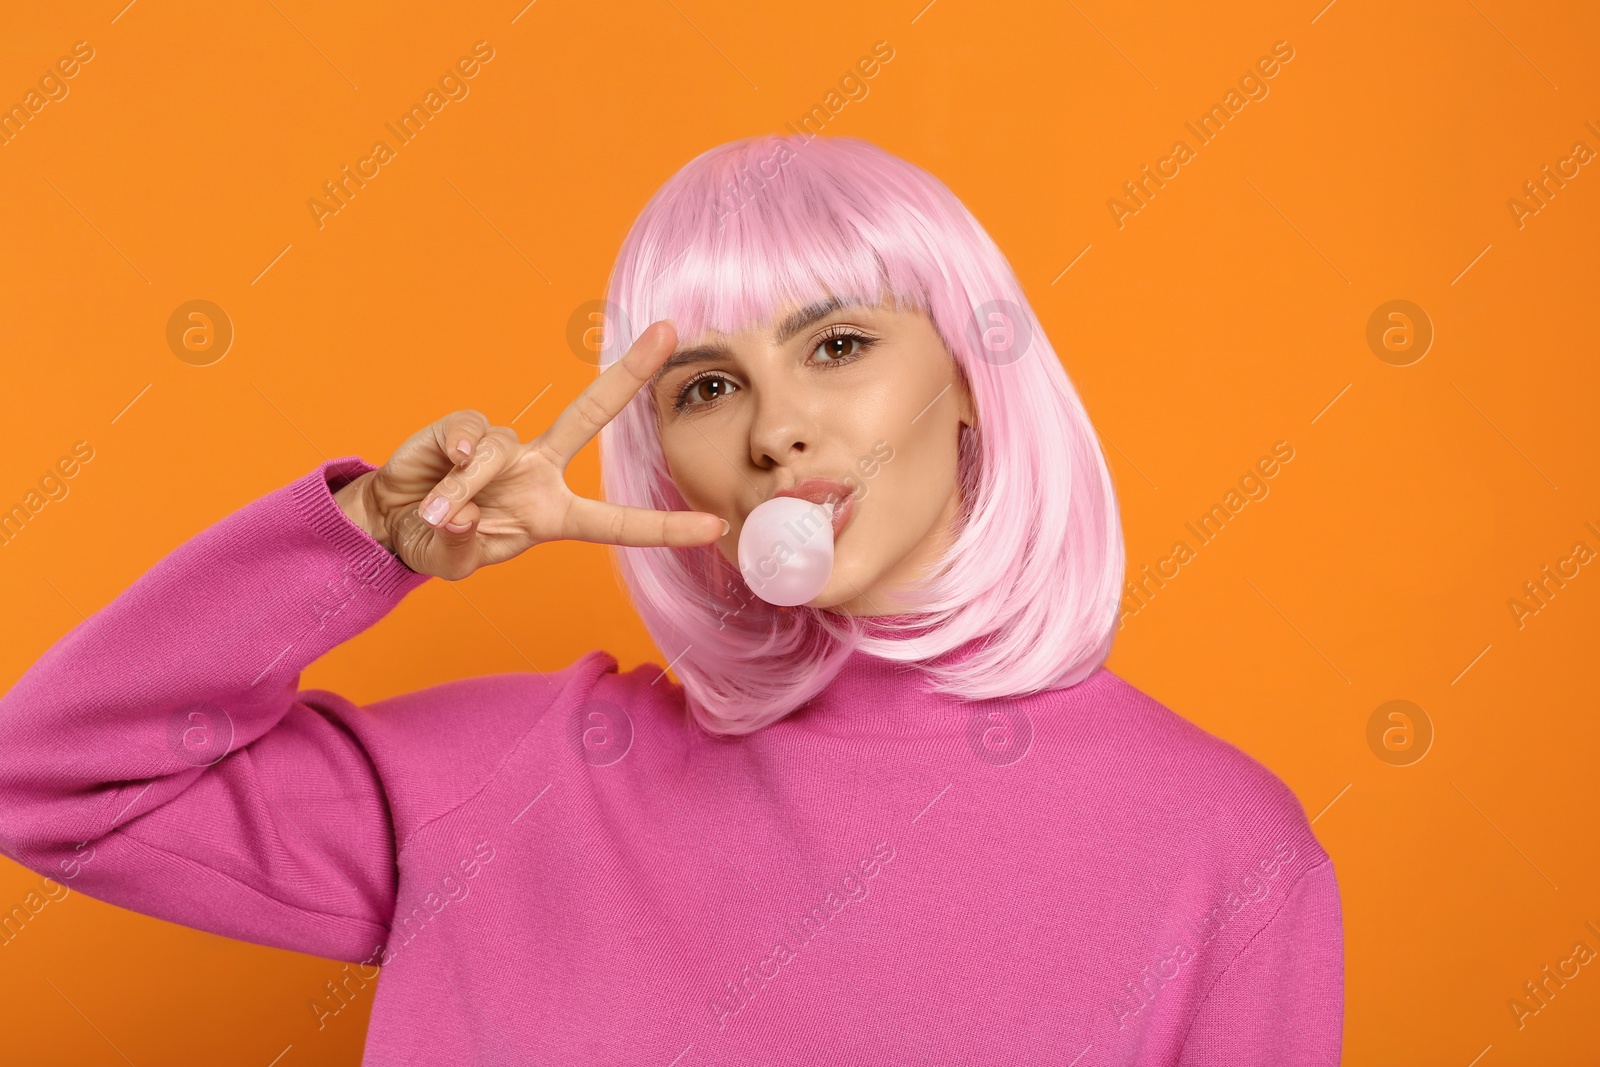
(822, 490)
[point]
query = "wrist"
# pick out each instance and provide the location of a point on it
(355, 500)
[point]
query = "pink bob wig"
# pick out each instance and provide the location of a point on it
(1033, 574)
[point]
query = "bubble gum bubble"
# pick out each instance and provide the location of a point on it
(786, 550)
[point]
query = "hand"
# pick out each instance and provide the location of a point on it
(446, 512)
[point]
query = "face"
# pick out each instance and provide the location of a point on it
(866, 396)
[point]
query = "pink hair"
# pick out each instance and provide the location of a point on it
(1035, 568)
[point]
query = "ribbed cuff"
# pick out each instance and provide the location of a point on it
(374, 565)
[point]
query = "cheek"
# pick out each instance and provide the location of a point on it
(697, 470)
(928, 460)
(911, 489)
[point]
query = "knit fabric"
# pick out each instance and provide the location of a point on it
(561, 868)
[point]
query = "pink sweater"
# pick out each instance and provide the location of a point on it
(558, 869)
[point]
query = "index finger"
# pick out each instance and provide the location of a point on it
(607, 395)
(602, 522)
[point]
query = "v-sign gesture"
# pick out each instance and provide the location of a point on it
(461, 494)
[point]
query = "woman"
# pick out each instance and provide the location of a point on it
(914, 820)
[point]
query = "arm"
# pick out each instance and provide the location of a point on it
(160, 757)
(1281, 1001)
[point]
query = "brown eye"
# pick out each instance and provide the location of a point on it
(841, 345)
(701, 391)
(709, 389)
(839, 348)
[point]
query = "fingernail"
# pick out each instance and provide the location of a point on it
(436, 510)
(725, 527)
(464, 447)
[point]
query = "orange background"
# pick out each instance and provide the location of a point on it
(1228, 314)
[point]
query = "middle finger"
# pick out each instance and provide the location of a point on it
(493, 453)
(607, 395)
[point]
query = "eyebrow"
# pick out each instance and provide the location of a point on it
(786, 330)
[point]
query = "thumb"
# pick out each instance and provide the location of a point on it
(452, 550)
(460, 531)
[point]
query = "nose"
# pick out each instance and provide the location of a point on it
(783, 425)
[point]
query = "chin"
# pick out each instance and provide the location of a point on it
(850, 579)
(836, 592)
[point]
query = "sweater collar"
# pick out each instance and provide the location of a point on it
(869, 687)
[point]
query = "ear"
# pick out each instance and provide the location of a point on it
(969, 413)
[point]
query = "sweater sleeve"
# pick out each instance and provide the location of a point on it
(1280, 1003)
(161, 757)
